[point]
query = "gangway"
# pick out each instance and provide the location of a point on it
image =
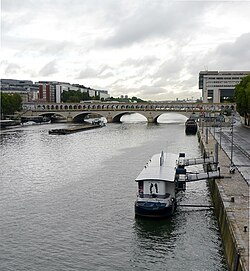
(212, 171)
(192, 177)
(182, 161)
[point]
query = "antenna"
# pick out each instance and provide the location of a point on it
(161, 158)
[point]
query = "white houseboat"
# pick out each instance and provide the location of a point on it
(163, 177)
(156, 187)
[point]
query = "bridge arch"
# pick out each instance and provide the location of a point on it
(81, 116)
(117, 117)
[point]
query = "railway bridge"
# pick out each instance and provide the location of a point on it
(112, 111)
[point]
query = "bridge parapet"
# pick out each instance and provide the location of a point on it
(167, 106)
(114, 111)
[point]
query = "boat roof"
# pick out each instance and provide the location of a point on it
(154, 171)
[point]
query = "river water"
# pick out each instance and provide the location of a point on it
(67, 201)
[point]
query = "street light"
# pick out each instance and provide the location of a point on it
(220, 131)
(232, 167)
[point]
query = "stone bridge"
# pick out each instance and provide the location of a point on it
(75, 112)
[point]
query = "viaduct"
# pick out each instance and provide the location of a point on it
(112, 111)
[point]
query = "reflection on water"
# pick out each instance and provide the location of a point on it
(171, 118)
(133, 118)
(155, 242)
(153, 229)
(67, 202)
(164, 118)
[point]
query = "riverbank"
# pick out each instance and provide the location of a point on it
(230, 197)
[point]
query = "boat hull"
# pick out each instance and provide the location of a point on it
(154, 212)
(191, 127)
(191, 130)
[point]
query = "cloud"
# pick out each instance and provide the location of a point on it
(87, 73)
(151, 49)
(49, 69)
(235, 54)
(37, 47)
(141, 61)
(154, 19)
(12, 68)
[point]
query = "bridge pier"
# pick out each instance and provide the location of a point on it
(69, 118)
(150, 119)
(109, 119)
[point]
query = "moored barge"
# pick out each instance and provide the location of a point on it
(191, 126)
(74, 129)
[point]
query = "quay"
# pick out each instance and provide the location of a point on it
(230, 196)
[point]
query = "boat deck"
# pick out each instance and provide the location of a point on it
(74, 129)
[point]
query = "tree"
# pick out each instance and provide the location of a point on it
(242, 95)
(10, 103)
(73, 96)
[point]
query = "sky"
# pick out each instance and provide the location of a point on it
(151, 49)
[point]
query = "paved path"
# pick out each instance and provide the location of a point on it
(241, 146)
(234, 185)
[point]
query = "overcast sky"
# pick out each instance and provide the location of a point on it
(152, 49)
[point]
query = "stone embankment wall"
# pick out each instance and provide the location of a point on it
(230, 197)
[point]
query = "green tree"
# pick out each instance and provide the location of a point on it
(73, 96)
(10, 103)
(242, 95)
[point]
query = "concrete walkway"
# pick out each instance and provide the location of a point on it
(241, 146)
(234, 191)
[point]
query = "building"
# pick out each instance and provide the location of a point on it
(25, 88)
(219, 85)
(47, 91)
(60, 88)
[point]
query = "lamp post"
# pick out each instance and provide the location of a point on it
(220, 131)
(232, 168)
(232, 139)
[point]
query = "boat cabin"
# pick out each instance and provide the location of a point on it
(157, 179)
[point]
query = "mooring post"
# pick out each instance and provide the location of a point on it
(216, 153)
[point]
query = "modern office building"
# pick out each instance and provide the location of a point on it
(25, 88)
(219, 85)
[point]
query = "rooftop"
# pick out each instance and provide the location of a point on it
(154, 171)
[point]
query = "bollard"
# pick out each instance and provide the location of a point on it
(206, 135)
(216, 147)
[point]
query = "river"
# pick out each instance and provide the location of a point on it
(67, 201)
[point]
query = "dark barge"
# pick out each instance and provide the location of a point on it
(191, 126)
(74, 129)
